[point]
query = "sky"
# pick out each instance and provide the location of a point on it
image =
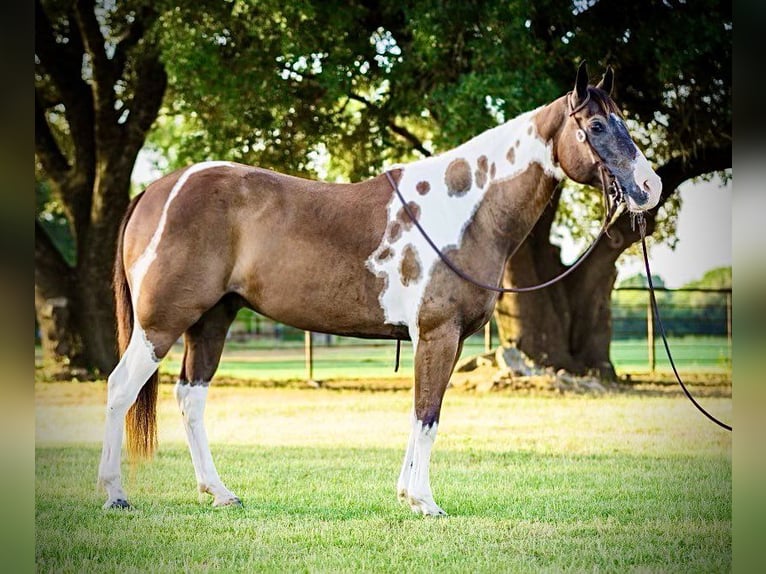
(704, 232)
(704, 237)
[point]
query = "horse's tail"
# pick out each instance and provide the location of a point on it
(141, 419)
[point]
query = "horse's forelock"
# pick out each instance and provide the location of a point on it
(605, 102)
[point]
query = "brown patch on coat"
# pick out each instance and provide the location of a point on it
(394, 231)
(409, 268)
(384, 255)
(529, 130)
(511, 155)
(482, 167)
(458, 177)
(423, 187)
(492, 171)
(404, 218)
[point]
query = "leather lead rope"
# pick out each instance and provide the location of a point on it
(655, 308)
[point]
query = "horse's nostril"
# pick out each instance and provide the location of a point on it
(647, 186)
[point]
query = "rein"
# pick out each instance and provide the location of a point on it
(642, 229)
(606, 187)
(466, 277)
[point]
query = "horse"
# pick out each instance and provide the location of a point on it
(204, 241)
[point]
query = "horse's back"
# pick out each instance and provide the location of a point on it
(291, 247)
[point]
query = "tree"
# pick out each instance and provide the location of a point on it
(673, 62)
(98, 85)
(362, 85)
(440, 73)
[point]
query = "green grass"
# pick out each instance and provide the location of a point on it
(352, 360)
(616, 483)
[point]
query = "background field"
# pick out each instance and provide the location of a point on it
(611, 483)
(355, 359)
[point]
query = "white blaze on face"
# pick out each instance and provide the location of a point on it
(141, 266)
(446, 191)
(647, 181)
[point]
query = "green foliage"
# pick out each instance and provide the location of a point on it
(338, 91)
(52, 217)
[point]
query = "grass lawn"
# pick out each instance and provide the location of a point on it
(610, 483)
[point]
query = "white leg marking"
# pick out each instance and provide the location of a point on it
(419, 493)
(134, 369)
(191, 401)
(404, 476)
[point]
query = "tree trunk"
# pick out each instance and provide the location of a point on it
(61, 343)
(568, 325)
(74, 306)
(88, 162)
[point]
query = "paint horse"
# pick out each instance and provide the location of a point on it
(207, 240)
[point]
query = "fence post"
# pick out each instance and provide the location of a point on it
(488, 337)
(309, 351)
(650, 333)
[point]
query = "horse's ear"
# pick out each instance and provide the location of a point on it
(607, 82)
(581, 84)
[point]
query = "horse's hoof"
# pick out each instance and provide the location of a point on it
(118, 503)
(228, 502)
(425, 507)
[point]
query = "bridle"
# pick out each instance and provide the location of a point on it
(612, 198)
(608, 181)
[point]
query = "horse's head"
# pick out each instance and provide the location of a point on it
(594, 135)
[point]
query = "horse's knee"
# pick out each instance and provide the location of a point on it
(191, 401)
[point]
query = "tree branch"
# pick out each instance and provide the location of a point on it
(411, 138)
(104, 74)
(53, 160)
(678, 169)
(59, 60)
(143, 20)
(149, 90)
(63, 62)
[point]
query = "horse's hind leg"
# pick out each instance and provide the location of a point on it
(203, 346)
(137, 364)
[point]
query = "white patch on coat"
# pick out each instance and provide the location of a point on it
(141, 266)
(444, 217)
(404, 474)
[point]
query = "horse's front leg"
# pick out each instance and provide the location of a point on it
(435, 358)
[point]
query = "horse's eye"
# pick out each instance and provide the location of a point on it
(597, 127)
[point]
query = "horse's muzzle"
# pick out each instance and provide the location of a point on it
(643, 193)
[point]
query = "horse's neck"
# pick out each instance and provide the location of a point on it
(493, 187)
